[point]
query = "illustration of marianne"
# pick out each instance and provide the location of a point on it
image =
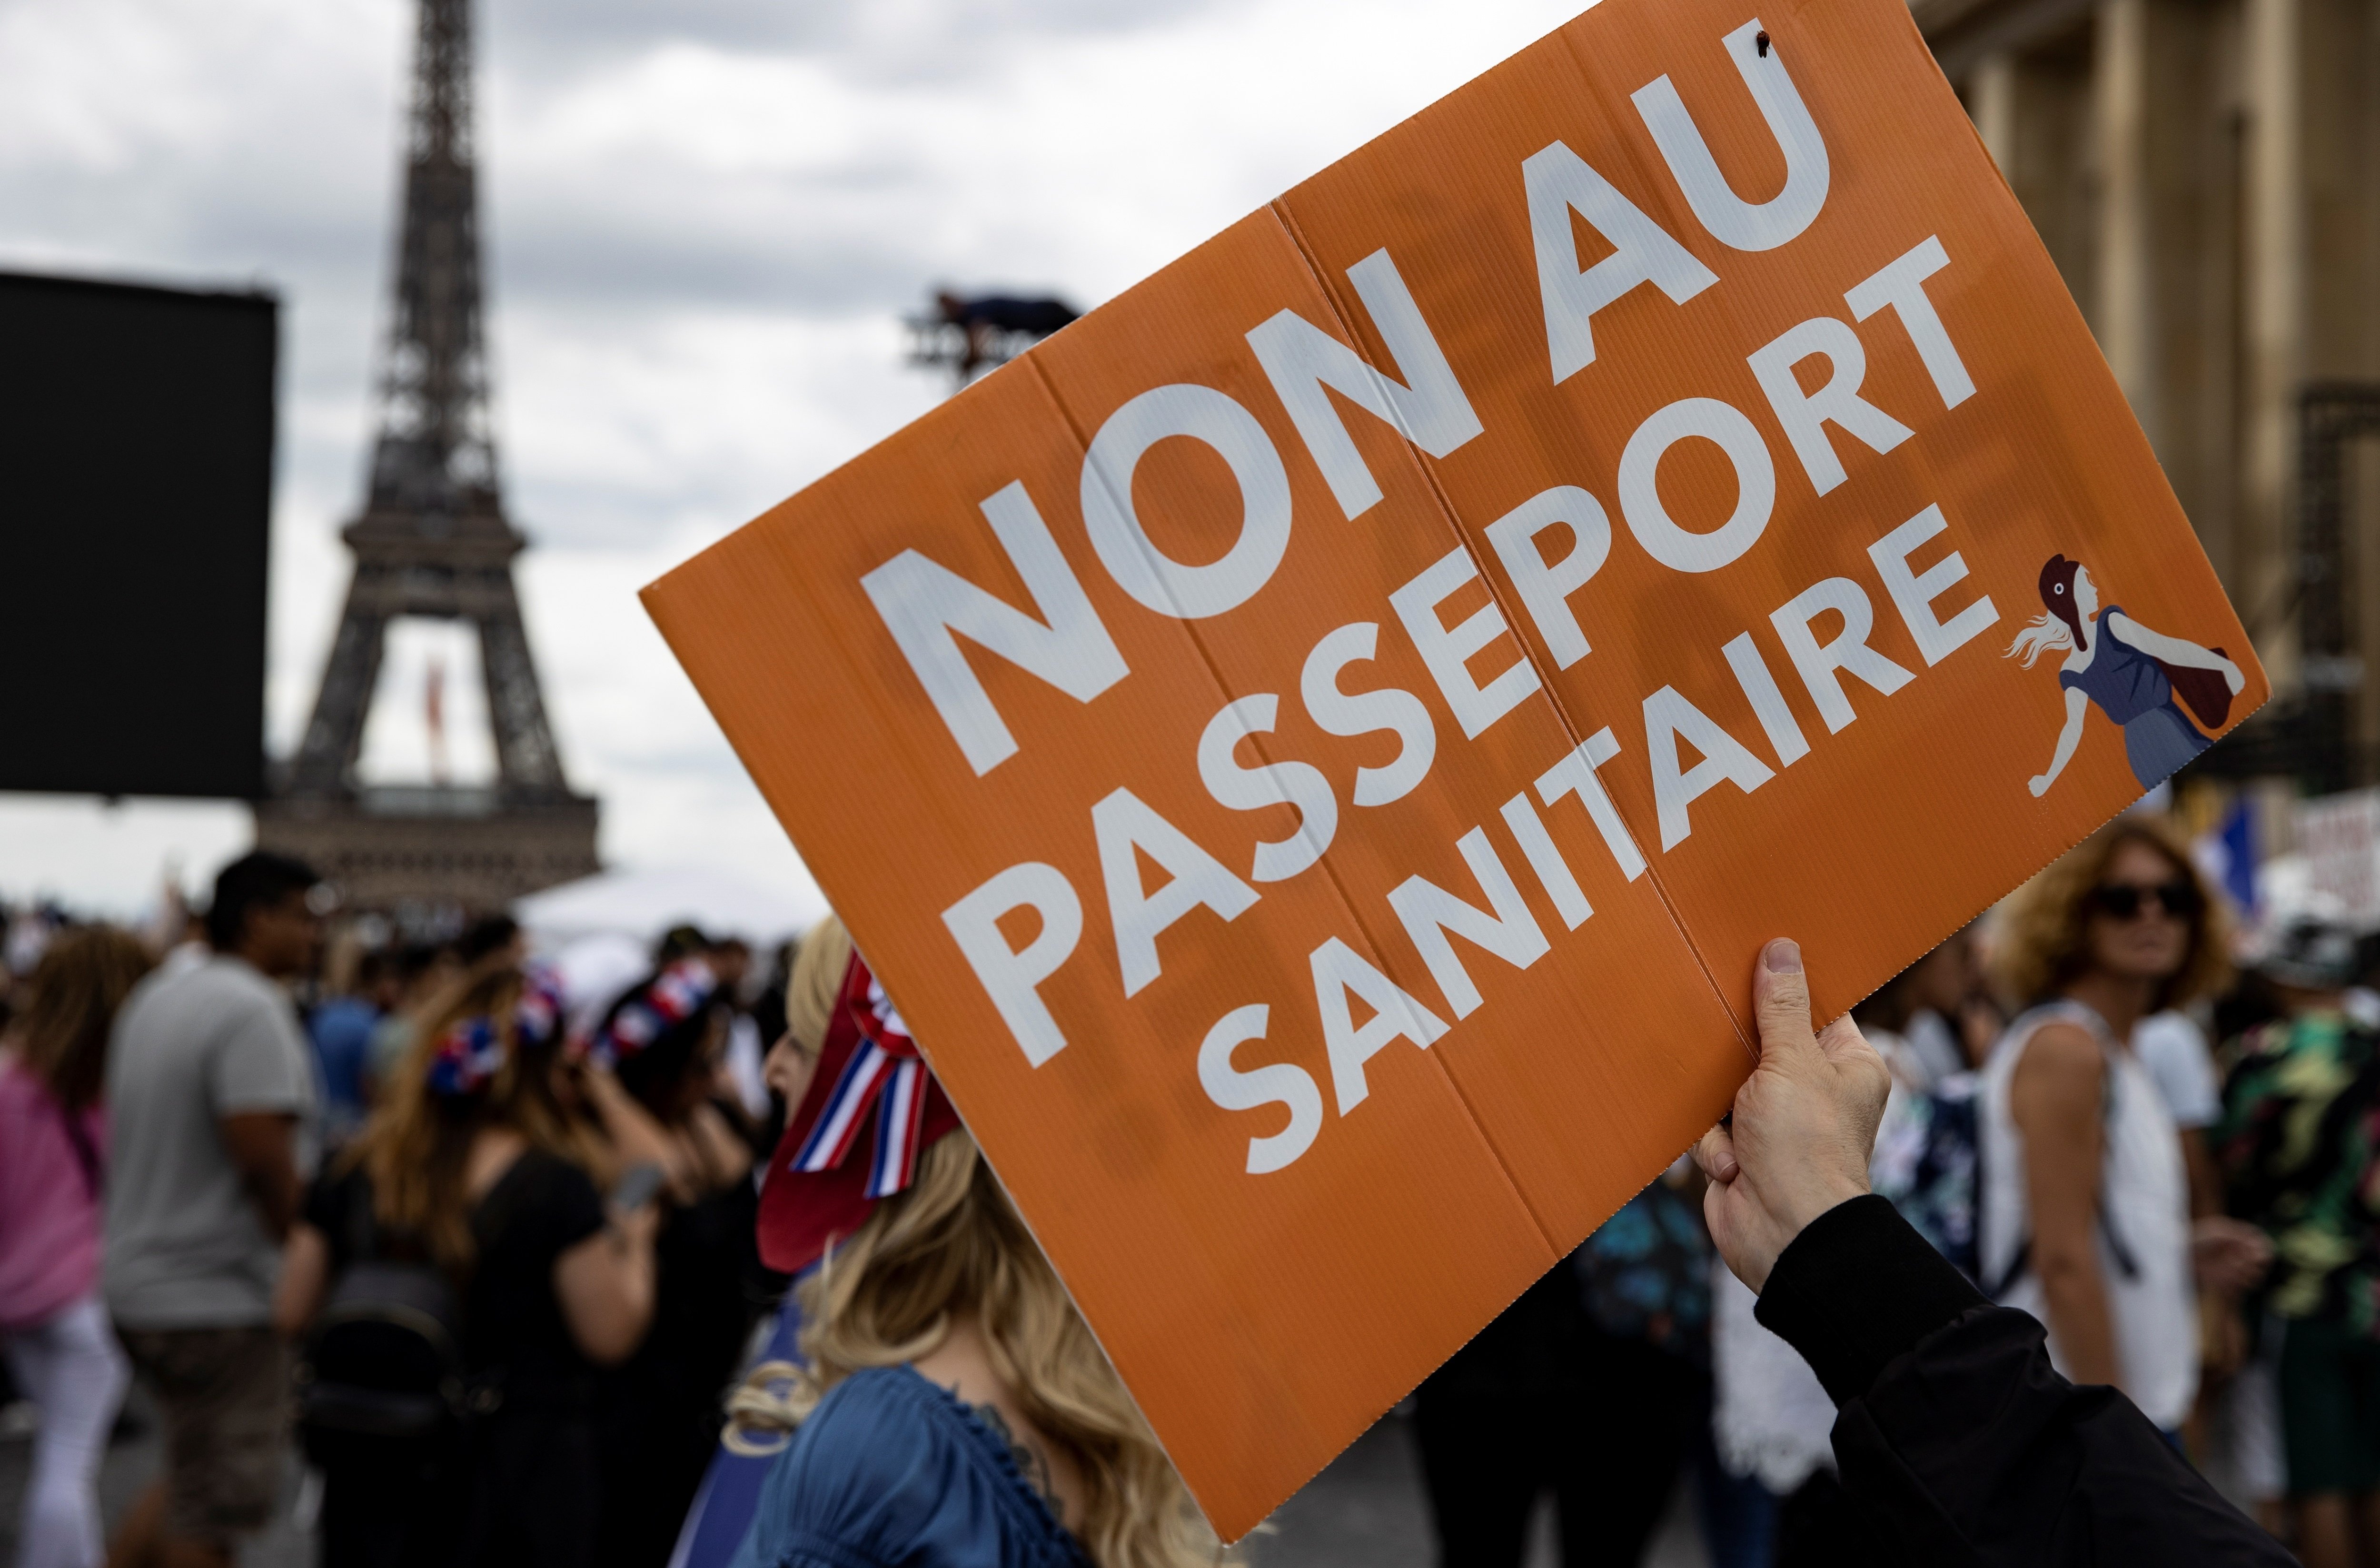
(2139, 678)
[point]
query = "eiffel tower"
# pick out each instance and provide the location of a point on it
(434, 541)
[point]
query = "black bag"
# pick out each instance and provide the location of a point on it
(385, 1358)
(2204, 692)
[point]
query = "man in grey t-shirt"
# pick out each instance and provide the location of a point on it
(212, 1099)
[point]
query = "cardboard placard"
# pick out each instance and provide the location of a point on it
(1314, 748)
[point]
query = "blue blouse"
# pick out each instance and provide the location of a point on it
(891, 1471)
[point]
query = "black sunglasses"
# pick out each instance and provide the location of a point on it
(2122, 901)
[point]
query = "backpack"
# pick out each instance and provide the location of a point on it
(1645, 1274)
(385, 1359)
(1928, 1164)
(2204, 692)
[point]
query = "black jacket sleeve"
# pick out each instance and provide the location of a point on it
(1957, 1443)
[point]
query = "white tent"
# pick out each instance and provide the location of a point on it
(643, 904)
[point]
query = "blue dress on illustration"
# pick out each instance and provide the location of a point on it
(2130, 688)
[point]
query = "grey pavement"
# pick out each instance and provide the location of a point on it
(131, 1464)
(1365, 1511)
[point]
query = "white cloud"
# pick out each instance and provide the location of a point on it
(705, 219)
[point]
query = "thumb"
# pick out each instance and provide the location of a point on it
(1780, 1003)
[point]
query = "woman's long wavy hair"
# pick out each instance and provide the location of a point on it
(416, 1149)
(2044, 939)
(2043, 634)
(82, 979)
(953, 1243)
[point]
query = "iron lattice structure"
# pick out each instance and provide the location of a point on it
(434, 541)
(938, 345)
(2311, 733)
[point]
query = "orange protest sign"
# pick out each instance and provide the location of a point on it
(1312, 748)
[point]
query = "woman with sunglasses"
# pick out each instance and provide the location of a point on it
(2086, 1219)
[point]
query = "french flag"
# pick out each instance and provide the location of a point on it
(838, 1124)
(897, 1087)
(900, 1109)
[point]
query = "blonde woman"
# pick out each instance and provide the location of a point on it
(2086, 1220)
(954, 1408)
(464, 1165)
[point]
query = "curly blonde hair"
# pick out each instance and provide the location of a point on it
(2044, 940)
(953, 1243)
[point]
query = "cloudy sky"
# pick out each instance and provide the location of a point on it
(705, 219)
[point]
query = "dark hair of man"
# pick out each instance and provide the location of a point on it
(489, 933)
(258, 879)
(679, 942)
(656, 1076)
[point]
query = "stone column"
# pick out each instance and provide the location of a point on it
(2125, 314)
(1992, 93)
(2273, 315)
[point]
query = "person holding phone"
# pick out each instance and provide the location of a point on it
(464, 1164)
(651, 1074)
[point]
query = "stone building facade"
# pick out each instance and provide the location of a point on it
(2206, 175)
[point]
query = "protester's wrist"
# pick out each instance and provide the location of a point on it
(1818, 1198)
(1788, 1215)
(1794, 1211)
(1856, 1287)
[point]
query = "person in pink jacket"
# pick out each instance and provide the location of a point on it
(52, 1167)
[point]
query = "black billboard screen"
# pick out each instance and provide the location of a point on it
(135, 488)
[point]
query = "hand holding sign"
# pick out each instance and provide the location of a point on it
(1316, 745)
(1797, 1142)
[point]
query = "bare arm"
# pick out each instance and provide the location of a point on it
(2077, 704)
(259, 1144)
(2054, 1098)
(725, 1159)
(2173, 650)
(605, 1287)
(305, 1277)
(638, 1137)
(2206, 1182)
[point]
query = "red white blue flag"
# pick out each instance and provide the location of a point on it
(885, 1074)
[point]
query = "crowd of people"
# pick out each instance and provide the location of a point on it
(482, 1249)
(2154, 1130)
(483, 1238)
